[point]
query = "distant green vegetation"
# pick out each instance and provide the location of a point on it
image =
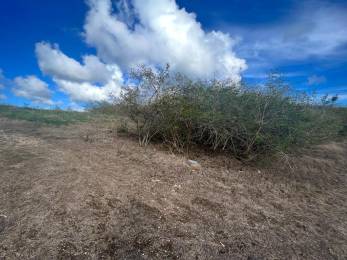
(41, 116)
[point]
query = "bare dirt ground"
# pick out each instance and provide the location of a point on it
(82, 192)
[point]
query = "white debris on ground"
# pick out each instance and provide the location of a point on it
(194, 165)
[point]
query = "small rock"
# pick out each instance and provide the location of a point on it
(2, 222)
(194, 165)
(177, 186)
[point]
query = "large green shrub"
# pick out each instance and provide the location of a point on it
(246, 121)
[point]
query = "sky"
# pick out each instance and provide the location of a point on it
(70, 53)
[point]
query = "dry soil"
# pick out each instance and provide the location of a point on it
(82, 192)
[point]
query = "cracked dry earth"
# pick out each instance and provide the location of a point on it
(82, 192)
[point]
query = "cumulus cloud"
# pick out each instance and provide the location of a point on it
(54, 62)
(87, 92)
(90, 81)
(316, 80)
(156, 32)
(32, 88)
(153, 33)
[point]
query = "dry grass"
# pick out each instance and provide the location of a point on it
(82, 192)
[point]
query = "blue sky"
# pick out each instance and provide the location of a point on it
(69, 53)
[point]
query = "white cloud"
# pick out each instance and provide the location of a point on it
(316, 29)
(87, 92)
(258, 75)
(2, 79)
(342, 97)
(34, 89)
(316, 80)
(153, 33)
(156, 32)
(163, 34)
(75, 107)
(2, 85)
(88, 82)
(53, 62)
